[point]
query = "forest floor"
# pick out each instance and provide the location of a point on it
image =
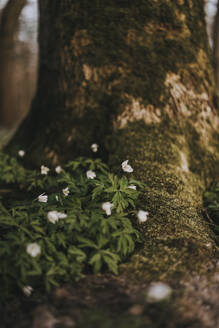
(106, 301)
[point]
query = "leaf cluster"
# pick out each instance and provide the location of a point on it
(86, 240)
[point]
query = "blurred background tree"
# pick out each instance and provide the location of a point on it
(18, 59)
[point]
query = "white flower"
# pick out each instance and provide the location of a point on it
(91, 174)
(126, 167)
(132, 187)
(54, 216)
(43, 198)
(107, 207)
(158, 291)
(58, 169)
(27, 290)
(142, 216)
(62, 215)
(66, 191)
(94, 147)
(21, 153)
(33, 249)
(44, 170)
(57, 198)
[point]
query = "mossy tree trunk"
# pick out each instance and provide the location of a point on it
(135, 77)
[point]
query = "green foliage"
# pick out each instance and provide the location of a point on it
(211, 202)
(85, 239)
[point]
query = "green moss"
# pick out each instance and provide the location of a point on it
(177, 238)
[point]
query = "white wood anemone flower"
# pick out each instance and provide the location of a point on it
(132, 187)
(157, 292)
(126, 167)
(21, 153)
(44, 170)
(43, 198)
(33, 249)
(58, 169)
(54, 216)
(94, 147)
(27, 290)
(107, 207)
(142, 216)
(66, 191)
(91, 174)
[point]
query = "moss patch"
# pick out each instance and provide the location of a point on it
(177, 238)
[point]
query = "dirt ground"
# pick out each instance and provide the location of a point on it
(106, 301)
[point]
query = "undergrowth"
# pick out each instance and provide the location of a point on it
(57, 225)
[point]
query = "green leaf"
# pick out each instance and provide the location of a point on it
(96, 262)
(111, 260)
(97, 191)
(80, 255)
(123, 183)
(86, 237)
(85, 242)
(52, 271)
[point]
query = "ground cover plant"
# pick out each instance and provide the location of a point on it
(58, 224)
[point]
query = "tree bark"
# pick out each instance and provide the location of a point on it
(135, 77)
(8, 29)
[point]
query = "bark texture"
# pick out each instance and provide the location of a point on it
(135, 77)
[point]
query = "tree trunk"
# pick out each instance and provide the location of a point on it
(135, 77)
(8, 29)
